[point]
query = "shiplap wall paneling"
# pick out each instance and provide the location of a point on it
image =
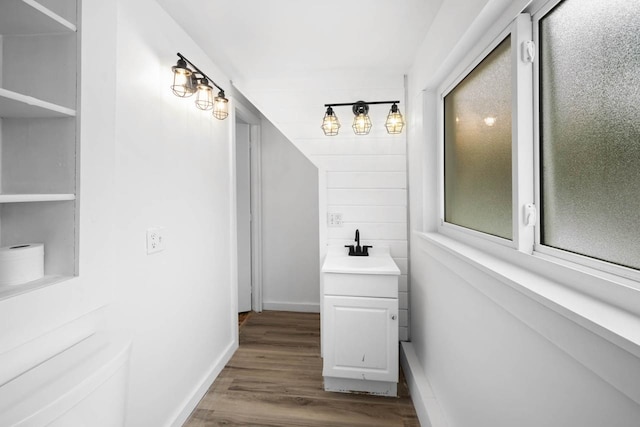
(362, 162)
(369, 179)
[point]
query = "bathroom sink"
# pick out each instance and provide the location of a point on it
(373, 276)
(379, 261)
(376, 263)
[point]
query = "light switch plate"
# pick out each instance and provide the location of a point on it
(334, 219)
(155, 240)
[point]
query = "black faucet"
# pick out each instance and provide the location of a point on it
(358, 250)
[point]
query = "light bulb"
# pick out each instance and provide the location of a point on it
(220, 106)
(182, 82)
(361, 124)
(330, 123)
(395, 121)
(204, 99)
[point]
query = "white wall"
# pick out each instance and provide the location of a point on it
(147, 159)
(362, 177)
(173, 169)
(289, 225)
(30, 315)
(494, 352)
(495, 357)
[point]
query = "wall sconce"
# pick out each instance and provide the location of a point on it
(330, 123)
(186, 82)
(395, 121)
(361, 121)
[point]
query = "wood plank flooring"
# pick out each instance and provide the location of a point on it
(275, 379)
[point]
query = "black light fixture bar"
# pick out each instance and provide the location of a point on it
(344, 104)
(362, 122)
(199, 71)
(187, 81)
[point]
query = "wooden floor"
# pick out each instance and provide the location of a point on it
(275, 379)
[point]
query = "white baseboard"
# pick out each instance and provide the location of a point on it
(427, 406)
(291, 306)
(198, 393)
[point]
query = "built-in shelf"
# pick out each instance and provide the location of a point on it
(17, 105)
(39, 60)
(13, 290)
(24, 17)
(23, 198)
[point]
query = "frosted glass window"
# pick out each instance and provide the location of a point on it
(590, 129)
(477, 147)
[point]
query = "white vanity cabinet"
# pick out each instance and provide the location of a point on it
(362, 338)
(360, 324)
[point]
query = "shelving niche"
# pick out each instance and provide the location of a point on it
(39, 131)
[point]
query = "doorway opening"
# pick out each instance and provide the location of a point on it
(243, 213)
(248, 209)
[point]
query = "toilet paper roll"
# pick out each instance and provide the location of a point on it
(21, 263)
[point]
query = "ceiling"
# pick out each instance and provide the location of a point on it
(264, 38)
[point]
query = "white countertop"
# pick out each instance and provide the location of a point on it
(379, 261)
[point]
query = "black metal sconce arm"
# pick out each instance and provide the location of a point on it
(199, 71)
(344, 104)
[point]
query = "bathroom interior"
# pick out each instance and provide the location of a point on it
(134, 227)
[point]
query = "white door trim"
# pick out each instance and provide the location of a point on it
(254, 121)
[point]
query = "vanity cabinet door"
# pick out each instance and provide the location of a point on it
(361, 338)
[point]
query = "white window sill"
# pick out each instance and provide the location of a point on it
(529, 275)
(559, 301)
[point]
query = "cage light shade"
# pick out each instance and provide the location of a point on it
(204, 99)
(330, 123)
(361, 124)
(395, 121)
(182, 80)
(220, 106)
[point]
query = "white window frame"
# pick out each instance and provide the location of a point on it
(540, 249)
(525, 153)
(522, 138)
(601, 297)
